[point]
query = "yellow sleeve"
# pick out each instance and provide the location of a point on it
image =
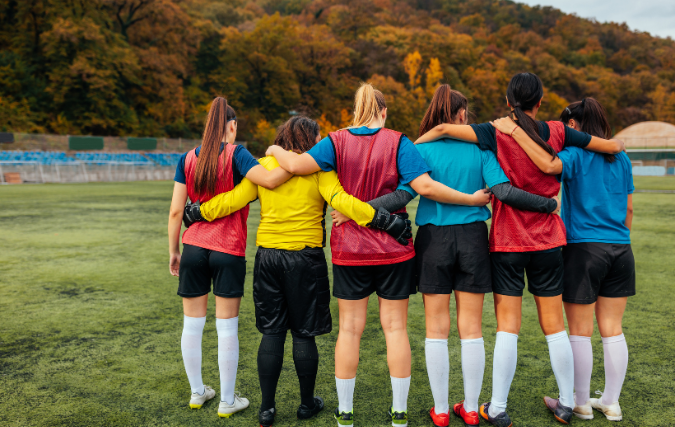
(336, 196)
(225, 204)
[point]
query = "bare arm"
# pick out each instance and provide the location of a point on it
(303, 164)
(434, 190)
(461, 132)
(539, 157)
(175, 220)
(629, 212)
(269, 179)
(609, 146)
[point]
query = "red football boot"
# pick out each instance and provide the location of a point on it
(470, 418)
(439, 420)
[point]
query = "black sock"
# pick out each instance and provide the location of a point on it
(306, 358)
(270, 362)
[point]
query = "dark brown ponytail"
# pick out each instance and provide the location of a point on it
(524, 93)
(592, 119)
(215, 132)
(444, 107)
(297, 134)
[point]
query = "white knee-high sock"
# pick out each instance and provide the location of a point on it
(400, 388)
(583, 368)
(191, 346)
(616, 364)
(438, 369)
(562, 362)
(345, 391)
(473, 367)
(228, 356)
(503, 369)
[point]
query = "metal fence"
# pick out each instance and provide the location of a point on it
(35, 172)
(44, 142)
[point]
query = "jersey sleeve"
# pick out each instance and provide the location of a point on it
(568, 157)
(493, 173)
(323, 154)
(487, 136)
(336, 196)
(574, 138)
(180, 170)
(243, 160)
(408, 188)
(227, 203)
(410, 162)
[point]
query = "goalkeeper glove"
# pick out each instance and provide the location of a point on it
(396, 225)
(192, 214)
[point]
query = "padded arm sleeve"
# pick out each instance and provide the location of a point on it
(523, 200)
(393, 201)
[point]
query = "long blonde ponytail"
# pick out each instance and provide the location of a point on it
(368, 104)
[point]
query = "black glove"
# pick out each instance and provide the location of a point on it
(397, 225)
(192, 214)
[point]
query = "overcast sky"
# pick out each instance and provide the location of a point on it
(654, 16)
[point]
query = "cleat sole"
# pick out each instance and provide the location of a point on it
(561, 420)
(584, 417)
(195, 406)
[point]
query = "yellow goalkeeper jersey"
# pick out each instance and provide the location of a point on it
(292, 216)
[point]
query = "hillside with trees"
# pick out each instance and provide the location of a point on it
(151, 67)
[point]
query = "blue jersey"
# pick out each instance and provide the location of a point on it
(410, 163)
(463, 167)
(595, 196)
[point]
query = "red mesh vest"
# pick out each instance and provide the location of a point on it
(228, 234)
(366, 166)
(513, 230)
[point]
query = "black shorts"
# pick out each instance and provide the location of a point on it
(544, 273)
(291, 291)
(453, 257)
(198, 266)
(598, 269)
(390, 281)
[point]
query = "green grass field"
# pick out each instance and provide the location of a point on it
(90, 323)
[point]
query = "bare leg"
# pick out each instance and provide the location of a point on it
(550, 311)
(437, 315)
(352, 323)
(195, 307)
(394, 320)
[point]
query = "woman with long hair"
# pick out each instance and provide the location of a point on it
(527, 242)
(290, 277)
(371, 161)
(599, 265)
(213, 252)
(452, 253)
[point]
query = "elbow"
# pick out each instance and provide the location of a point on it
(629, 212)
(618, 146)
(426, 190)
(550, 170)
(173, 215)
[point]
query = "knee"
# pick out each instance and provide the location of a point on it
(581, 330)
(352, 327)
(439, 330)
(607, 331)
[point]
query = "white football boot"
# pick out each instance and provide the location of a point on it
(612, 412)
(197, 400)
(226, 410)
(585, 411)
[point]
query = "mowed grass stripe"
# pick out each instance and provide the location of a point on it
(90, 323)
